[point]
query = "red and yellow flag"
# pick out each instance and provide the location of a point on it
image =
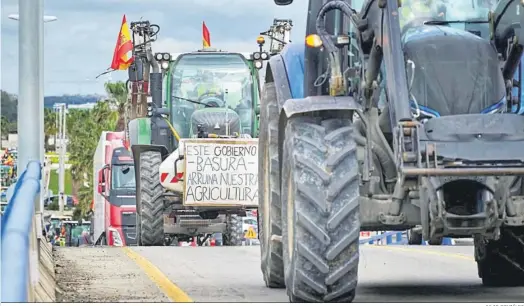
(206, 40)
(121, 60)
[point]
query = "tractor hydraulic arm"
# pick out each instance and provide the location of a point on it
(508, 35)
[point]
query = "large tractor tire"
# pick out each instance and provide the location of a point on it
(320, 210)
(269, 211)
(500, 263)
(234, 233)
(150, 210)
(414, 237)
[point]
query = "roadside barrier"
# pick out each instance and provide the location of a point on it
(400, 238)
(27, 266)
(17, 223)
(382, 238)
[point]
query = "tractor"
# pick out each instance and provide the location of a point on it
(195, 150)
(384, 120)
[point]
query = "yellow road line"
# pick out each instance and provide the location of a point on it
(173, 292)
(413, 250)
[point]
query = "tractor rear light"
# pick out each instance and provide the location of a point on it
(256, 55)
(313, 41)
(264, 56)
(258, 64)
(165, 65)
(167, 56)
(158, 56)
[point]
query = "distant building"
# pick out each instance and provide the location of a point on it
(81, 106)
(11, 142)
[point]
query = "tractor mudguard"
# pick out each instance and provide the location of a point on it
(137, 151)
(293, 107)
(286, 70)
(276, 72)
(293, 57)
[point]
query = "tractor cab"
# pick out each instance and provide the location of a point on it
(212, 92)
(451, 66)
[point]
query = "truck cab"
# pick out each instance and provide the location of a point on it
(114, 218)
(121, 197)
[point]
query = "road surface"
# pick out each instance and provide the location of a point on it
(232, 274)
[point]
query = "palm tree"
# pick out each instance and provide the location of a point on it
(49, 126)
(85, 129)
(117, 93)
(5, 127)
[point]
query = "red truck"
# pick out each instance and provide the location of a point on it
(113, 220)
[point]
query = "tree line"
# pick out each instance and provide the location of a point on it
(84, 127)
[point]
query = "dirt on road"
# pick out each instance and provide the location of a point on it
(101, 274)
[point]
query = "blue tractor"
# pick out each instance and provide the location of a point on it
(385, 119)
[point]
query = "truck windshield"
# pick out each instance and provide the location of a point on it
(445, 10)
(122, 177)
(215, 79)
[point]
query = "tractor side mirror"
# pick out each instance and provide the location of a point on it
(283, 2)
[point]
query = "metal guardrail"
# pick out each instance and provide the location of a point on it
(400, 238)
(17, 228)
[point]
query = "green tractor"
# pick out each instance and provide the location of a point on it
(195, 153)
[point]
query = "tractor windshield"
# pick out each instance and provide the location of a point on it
(450, 70)
(215, 80)
(456, 11)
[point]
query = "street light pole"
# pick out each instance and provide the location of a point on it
(29, 48)
(28, 82)
(40, 75)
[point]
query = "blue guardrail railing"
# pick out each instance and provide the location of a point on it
(397, 237)
(16, 228)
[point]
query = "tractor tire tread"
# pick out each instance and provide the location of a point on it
(272, 264)
(501, 262)
(151, 214)
(322, 170)
(234, 231)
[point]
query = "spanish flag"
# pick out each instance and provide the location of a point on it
(206, 40)
(121, 60)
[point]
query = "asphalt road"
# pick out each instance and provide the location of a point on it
(386, 274)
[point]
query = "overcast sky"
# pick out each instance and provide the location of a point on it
(80, 44)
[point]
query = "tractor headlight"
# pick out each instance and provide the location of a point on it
(256, 56)
(167, 56)
(264, 56)
(258, 64)
(158, 56)
(165, 65)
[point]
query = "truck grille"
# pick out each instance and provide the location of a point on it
(128, 218)
(129, 235)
